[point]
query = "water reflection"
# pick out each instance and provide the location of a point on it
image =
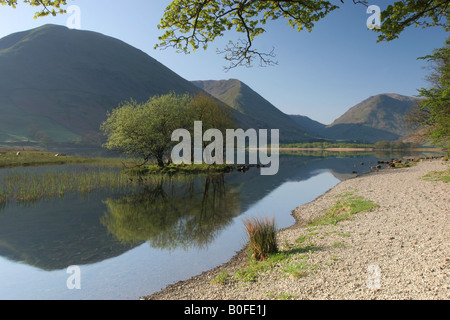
(54, 234)
(170, 213)
(188, 213)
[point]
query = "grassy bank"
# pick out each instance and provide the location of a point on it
(30, 158)
(293, 259)
(181, 168)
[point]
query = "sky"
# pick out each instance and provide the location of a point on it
(320, 74)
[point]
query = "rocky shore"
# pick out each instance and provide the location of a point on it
(398, 250)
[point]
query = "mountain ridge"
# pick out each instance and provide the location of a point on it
(65, 80)
(60, 83)
(379, 117)
(244, 99)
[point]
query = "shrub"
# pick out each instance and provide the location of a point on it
(262, 238)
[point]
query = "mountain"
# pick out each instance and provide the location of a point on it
(313, 127)
(378, 118)
(383, 111)
(262, 114)
(59, 82)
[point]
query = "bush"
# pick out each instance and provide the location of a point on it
(262, 237)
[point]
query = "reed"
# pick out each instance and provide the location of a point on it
(262, 237)
(29, 185)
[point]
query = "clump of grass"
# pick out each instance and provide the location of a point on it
(254, 268)
(344, 209)
(443, 176)
(262, 237)
(297, 269)
(221, 278)
(404, 164)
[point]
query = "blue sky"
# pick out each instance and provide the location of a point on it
(320, 74)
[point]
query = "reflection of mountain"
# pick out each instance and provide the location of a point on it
(295, 168)
(170, 214)
(53, 235)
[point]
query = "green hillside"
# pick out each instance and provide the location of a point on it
(59, 83)
(262, 113)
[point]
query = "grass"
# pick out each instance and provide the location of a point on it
(28, 186)
(292, 262)
(405, 164)
(443, 176)
(347, 206)
(293, 259)
(10, 159)
(262, 237)
(221, 278)
(181, 168)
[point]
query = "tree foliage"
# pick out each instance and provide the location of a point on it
(433, 112)
(46, 7)
(193, 24)
(212, 113)
(145, 130)
(406, 13)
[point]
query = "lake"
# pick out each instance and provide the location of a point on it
(127, 243)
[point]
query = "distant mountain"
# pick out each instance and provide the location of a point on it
(384, 111)
(61, 82)
(313, 127)
(263, 115)
(377, 118)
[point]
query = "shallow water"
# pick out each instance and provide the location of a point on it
(131, 243)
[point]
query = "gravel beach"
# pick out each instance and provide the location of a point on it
(398, 250)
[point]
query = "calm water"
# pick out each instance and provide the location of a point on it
(132, 243)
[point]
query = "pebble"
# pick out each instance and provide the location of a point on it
(393, 252)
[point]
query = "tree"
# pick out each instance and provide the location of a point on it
(47, 7)
(193, 24)
(144, 130)
(212, 113)
(433, 113)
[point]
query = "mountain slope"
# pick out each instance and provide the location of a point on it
(378, 118)
(313, 127)
(383, 112)
(263, 114)
(61, 82)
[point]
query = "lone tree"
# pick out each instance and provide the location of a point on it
(145, 130)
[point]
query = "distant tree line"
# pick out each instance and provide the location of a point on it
(327, 144)
(395, 145)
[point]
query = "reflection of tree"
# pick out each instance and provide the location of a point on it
(171, 213)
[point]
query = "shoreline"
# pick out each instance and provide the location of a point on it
(399, 239)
